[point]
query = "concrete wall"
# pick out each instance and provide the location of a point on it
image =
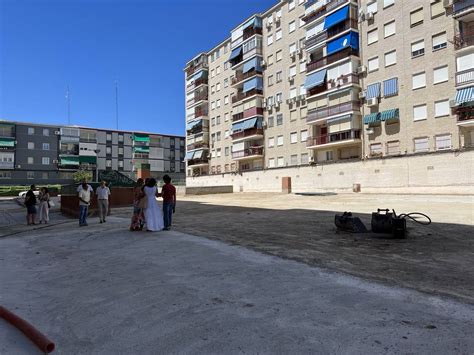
(449, 172)
(208, 190)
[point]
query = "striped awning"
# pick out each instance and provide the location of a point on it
(315, 79)
(389, 115)
(373, 91)
(339, 119)
(189, 155)
(390, 87)
(372, 118)
(465, 95)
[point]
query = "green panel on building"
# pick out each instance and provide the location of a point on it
(69, 161)
(87, 159)
(7, 142)
(141, 138)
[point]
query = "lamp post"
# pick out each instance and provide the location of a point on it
(96, 151)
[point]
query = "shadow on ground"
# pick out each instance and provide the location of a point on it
(437, 259)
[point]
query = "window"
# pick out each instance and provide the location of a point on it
(270, 60)
(442, 108)
(218, 87)
(278, 76)
(226, 100)
(218, 136)
(292, 71)
(271, 142)
(421, 144)
(226, 117)
(443, 142)
(120, 151)
(31, 160)
(390, 58)
(304, 158)
(213, 121)
(108, 163)
(294, 159)
(304, 135)
(373, 64)
(218, 120)
(278, 35)
(389, 29)
(302, 22)
(279, 55)
(213, 89)
(30, 174)
(418, 48)
(218, 71)
(31, 145)
(302, 90)
(45, 132)
(226, 82)
(279, 119)
(31, 131)
(279, 141)
(212, 73)
(226, 151)
(109, 137)
(416, 17)
(218, 152)
(372, 36)
(45, 161)
(271, 121)
(440, 41)
(393, 147)
(279, 99)
(372, 7)
(120, 138)
(293, 114)
(226, 134)
(376, 149)
(270, 40)
(292, 26)
(218, 103)
(120, 163)
(437, 9)
(292, 48)
(271, 163)
(440, 75)
(387, 3)
(108, 150)
(419, 112)
(45, 146)
(293, 93)
(303, 65)
(270, 80)
(418, 80)
(291, 5)
(280, 162)
(293, 137)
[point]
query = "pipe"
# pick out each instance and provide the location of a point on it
(43, 343)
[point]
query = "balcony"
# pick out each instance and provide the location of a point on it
(251, 152)
(251, 31)
(197, 145)
(193, 69)
(201, 161)
(325, 112)
(343, 137)
(351, 78)
(200, 112)
(243, 95)
(463, 40)
(199, 97)
(254, 111)
(323, 10)
(462, 7)
(345, 53)
(244, 76)
(465, 77)
(312, 41)
(465, 116)
(252, 132)
(197, 83)
(196, 130)
(332, 32)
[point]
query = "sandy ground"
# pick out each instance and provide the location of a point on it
(105, 290)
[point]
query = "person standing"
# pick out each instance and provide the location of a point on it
(44, 206)
(103, 193)
(84, 203)
(153, 213)
(30, 203)
(168, 193)
(138, 217)
(81, 186)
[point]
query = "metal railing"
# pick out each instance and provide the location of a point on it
(251, 32)
(459, 6)
(198, 161)
(252, 151)
(242, 95)
(323, 10)
(247, 133)
(333, 137)
(198, 145)
(243, 76)
(332, 58)
(465, 77)
(462, 40)
(324, 112)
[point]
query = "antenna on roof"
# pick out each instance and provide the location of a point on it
(116, 104)
(68, 98)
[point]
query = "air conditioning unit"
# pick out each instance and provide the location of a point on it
(372, 102)
(57, 133)
(362, 69)
(264, 125)
(369, 130)
(303, 97)
(18, 166)
(370, 16)
(362, 95)
(277, 104)
(55, 161)
(292, 54)
(263, 63)
(277, 18)
(269, 24)
(294, 99)
(288, 101)
(312, 161)
(447, 3)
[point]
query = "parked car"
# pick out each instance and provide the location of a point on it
(23, 193)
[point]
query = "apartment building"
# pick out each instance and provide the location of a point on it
(51, 154)
(312, 82)
(463, 104)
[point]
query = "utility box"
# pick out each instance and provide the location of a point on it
(356, 188)
(286, 185)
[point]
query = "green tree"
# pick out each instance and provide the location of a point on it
(80, 175)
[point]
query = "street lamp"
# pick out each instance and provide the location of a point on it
(96, 151)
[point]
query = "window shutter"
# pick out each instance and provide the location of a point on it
(417, 46)
(421, 144)
(437, 8)
(439, 39)
(416, 17)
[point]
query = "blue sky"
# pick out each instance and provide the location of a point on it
(88, 44)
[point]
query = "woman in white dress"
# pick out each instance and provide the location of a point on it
(153, 213)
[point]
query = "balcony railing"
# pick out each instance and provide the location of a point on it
(351, 78)
(198, 145)
(465, 113)
(254, 111)
(242, 95)
(251, 32)
(199, 112)
(332, 58)
(198, 161)
(460, 6)
(197, 83)
(323, 10)
(197, 98)
(192, 70)
(324, 112)
(247, 133)
(333, 137)
(462, 40)
(249, 152)
(240, 77)
(332, 32)
(316, 39)
(465, 77)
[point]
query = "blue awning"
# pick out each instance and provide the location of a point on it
(249, 123)
(255, 83)
(237, 126)
(372, 118)
(390, 87)
(339, 119)
(235, 53)
(315, 79)
(351, 39)
(337, 17)
(252, 64)
(256, 22)
(189, 155)
(465, 95)
(393, 114)
(373, 91)
(199, 75)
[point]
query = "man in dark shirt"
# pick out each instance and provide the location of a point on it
(30, 203)
(168, 193)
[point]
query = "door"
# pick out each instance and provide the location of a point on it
(323, 135)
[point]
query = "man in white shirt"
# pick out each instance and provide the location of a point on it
(84, 202)
(80, 187)
(103, 193)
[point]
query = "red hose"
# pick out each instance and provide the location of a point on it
(43, 343)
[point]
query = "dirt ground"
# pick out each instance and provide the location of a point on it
(437, 259)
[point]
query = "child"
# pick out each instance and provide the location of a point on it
(168, 193)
